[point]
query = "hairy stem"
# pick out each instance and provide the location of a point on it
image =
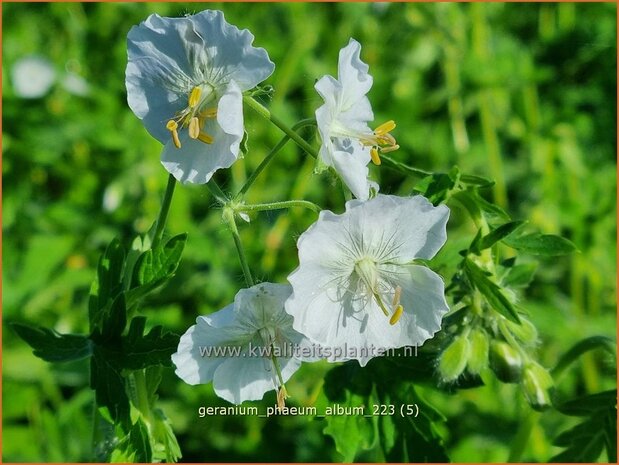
(165, 209)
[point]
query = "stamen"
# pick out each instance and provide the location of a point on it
(396, 315)
(385, 128)
(390, 148)
(380, 303)
(206, 138)
(194, 127)
(194, 97)
(387, 139)
(396, 296)
(282, 395)
(375, 156)
(209, 113)
(172, 126)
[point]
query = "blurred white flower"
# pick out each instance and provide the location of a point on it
(75, 84)
(32, 77)
(356, 285)
(348, 143)
(185, 79)
(231, 347)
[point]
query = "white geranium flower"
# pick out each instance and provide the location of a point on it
(185, 78)
(356, 284)
(348, 143)
(237, 347)
(32, 77)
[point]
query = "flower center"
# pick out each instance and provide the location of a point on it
(368, 273)
(194, 116)
(380, 140)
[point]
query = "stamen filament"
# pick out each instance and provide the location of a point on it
(380, 303)
(209, 113)
(396, 296)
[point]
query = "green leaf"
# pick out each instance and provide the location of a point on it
(141, 351)
(519, 275)
(109, 387)
(108, 284)
(499, 233)
(490, 290)
(436, 187)
(113, 322)
(135, 447)
(586, 441)
(547, 245)
(52, 346)
(476, 181)
(156, 266)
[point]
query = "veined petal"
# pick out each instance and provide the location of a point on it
(353, 75)
(246, 378)
(229, 51)
(329, 89)
(352, 166)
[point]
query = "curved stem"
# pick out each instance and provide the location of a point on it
(278, 206)
(165, 209)
(228, 216)
(271, 154)
(216, 192)
(265, 113)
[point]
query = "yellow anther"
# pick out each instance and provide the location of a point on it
(194, 127)
(375, 156)
(172, 126)
(385, 128)
(396, 296)
(282, 395)
(204, 137)
(209, 113)
(194, 97)
(396, 315)
(387, 139)
(389, 148)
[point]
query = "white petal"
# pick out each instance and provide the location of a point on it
(191, 366)
(158, 74)
(353, 75)
(353, 170)
(423, 299)
(329, 89)
(249, 378)
(230, 53)
(402, 228)
(196, 162)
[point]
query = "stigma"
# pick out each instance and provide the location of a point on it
(368, 274)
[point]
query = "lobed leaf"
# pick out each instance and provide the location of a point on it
(52, 346)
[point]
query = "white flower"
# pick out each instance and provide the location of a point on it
(348, 143)
(356, 285)
(234, 347)
(32, 77)
(185, 78)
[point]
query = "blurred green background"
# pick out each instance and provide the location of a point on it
(522, 93)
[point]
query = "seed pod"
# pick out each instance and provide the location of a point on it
(536, 384)
(478, 355)
(506, 362)
(453, 359)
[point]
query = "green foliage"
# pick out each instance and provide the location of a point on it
(586, 441)
(54, 347)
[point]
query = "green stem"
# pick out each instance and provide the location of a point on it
(399, 166)
(278, 206)
(265, 113)
(216, 192)
(519, 443)
(163, 213)
(142, 403)
(271, 155)
(228, 216)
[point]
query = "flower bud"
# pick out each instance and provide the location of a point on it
(536, 383)
(525, 331)
(506, 362)
(453, 359)
(478, 355)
